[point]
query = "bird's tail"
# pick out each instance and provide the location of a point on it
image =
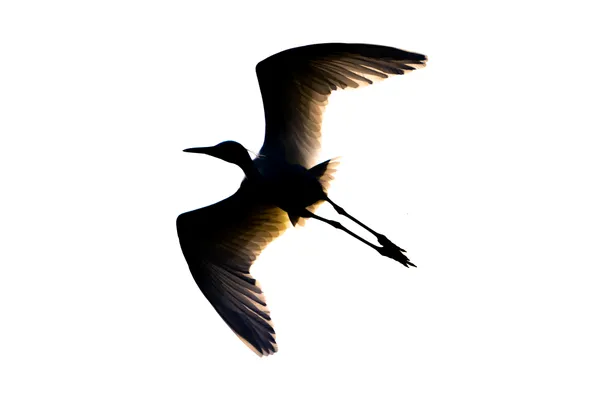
(324, 172)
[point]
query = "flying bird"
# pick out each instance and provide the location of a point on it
(283, 185)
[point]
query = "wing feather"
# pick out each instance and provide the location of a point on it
(220, 243)
(296, 83)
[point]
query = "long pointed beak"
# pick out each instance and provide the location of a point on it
(201, 150)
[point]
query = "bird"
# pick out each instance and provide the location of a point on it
(283, 185)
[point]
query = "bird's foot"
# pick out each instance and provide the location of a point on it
(392, 251)
(385, 242)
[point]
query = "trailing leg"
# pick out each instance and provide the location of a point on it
(382, 239)
(389, 249)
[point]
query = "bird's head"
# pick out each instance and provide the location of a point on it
(229, 151)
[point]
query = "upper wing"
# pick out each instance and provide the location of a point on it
(220, 242)
(296, 83)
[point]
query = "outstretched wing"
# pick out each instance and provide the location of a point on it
(296, 83)
(220, 242)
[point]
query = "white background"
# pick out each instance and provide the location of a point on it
(484, 166)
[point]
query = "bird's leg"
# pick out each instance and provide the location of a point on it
(392, 251)
(382, 239)
(337, 225)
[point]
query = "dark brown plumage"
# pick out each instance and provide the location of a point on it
(283, 185)
(296, 83)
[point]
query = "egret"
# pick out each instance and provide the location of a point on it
(283, 185)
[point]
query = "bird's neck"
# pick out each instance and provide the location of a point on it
(249, 168)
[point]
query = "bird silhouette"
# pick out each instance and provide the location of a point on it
(282, 185)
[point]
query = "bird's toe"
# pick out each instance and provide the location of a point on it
(385, 242)
(395, 253)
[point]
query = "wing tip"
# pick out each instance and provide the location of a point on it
(261, 351)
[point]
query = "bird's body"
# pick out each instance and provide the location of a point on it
(291, 187)
(282, 186)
